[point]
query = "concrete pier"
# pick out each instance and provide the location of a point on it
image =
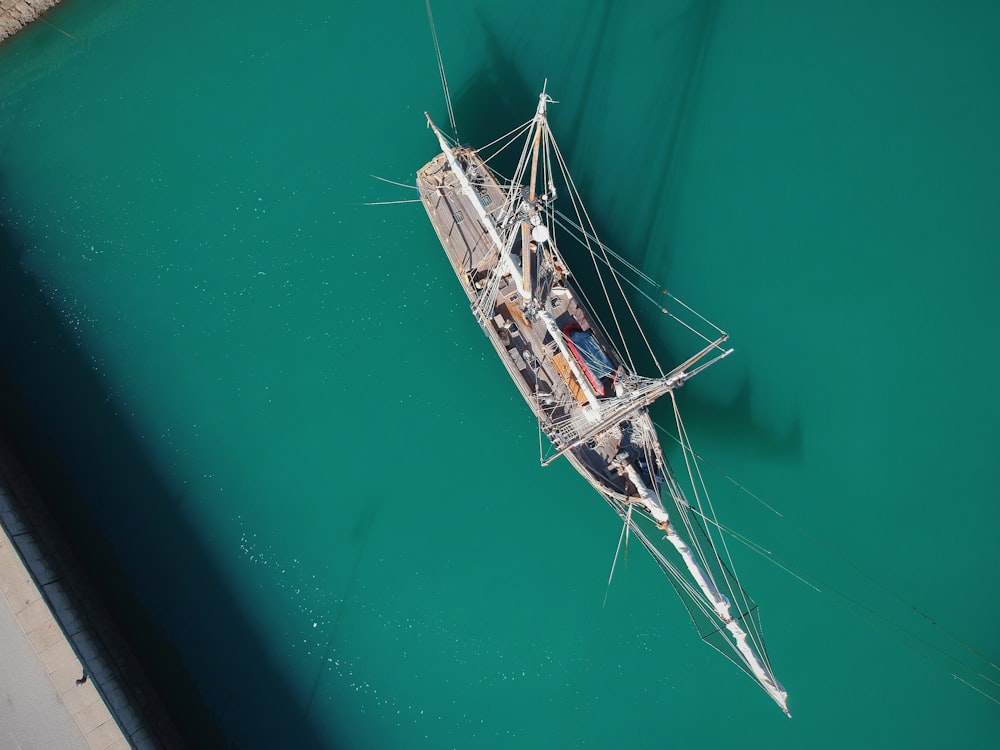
(43, 704)
(53, 628)
(16, 14)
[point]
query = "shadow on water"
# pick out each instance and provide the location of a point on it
(359, 536)
(125, 526)
(674, 106)
(500, 95)
(587, 90)
(734, 422)
(497, 97)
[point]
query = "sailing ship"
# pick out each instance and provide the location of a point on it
(578, 375)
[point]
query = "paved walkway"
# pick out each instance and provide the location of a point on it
(41, 705)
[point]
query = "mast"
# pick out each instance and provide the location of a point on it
(532, 229)
(543, 99)
(487, 223)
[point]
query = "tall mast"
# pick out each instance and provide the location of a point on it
(530, 229)
(477, 205)
(539, 124)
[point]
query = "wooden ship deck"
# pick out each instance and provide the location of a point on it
(554, 386)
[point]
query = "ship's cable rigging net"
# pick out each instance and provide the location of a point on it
(623, 272)
(976, 670)
(444, 78)
(601, 255)
(704, 505)
(583, 219)
(643, 284)
(698, 607)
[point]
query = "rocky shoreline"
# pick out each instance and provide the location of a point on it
(16, 14)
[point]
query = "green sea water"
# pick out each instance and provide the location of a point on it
(310, 492)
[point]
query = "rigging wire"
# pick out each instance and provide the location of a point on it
(663, 430)
(568, 225)
(614, 562)
(695, 599)
(634, 269)
(706, 512)
(572, 228)
(601, 246)
(885, 623)
(509, 136)
(711, 509)
(390, 203)
(393, 182)
(578, 209)
(703, 542)
(440, 62)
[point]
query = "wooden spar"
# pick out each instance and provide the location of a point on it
(527, 252)
(534, 155)
(674, 379)
(679, 375)
(478, 208)
(527, 255)
(543, 99)
(616, 415)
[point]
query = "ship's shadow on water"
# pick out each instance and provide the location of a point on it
(732, 422)
(672, 109)
(634, 216)
(496, 98)
(127, 529)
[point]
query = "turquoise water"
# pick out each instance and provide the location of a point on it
(311, 492)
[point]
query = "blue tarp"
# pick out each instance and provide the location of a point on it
(590, 352)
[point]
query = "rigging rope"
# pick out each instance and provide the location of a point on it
(440, 62)
(575, 196)
(562, 221)
(578, 208)
(511, 136)
(887, 625)
(614, 562)
(390, 203)
(695, 598)
(702, 539)
(716, 468)
(739, 594)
